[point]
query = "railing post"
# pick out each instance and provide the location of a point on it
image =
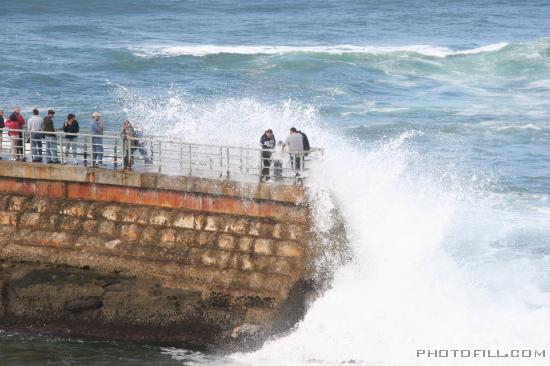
(221, 162)
(23, 145)
(61, 152)
(181, 157)
(30, 145)
(160, 156)
(125, 156)
(261, 163)
(190, 161)
(86, 151)
(115, 155)
(241, 160)
(227, 156)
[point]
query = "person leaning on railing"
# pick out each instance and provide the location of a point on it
(1, 130)
(96, 127)
(71, 127)
(267, 142)
(36, 127)
(51, 139)
(20, 142)
(295, 144)
(132, 140)
(127, 134)
(13, 125)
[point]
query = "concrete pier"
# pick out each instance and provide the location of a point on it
(133, 255)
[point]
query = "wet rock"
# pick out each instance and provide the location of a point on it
(88, 303)
(246, 331)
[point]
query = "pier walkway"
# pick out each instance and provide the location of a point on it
(157, 154)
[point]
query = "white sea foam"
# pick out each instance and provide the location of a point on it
(206, 50)
(434, 264)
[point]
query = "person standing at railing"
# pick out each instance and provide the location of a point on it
(96, 127)
(267, 142)
(71, 127)
(278, 156)
(128, 134)
(295, 144)
(36, 126)
(20, 142)
(51, 139)
(13, 125)
(2, 125)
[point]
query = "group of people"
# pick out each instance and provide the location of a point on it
(296, 144)
(42, 129)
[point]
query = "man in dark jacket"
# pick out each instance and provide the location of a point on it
(71, 127)
(268, 142)
(51, 139)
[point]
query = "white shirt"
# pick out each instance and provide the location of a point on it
(295, 142)
(36, 123)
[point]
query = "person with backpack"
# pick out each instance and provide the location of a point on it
(305, 141)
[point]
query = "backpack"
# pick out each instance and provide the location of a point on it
(305, 142)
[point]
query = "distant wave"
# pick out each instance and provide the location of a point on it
(205, 50)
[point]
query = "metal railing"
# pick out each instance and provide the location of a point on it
(159, 154)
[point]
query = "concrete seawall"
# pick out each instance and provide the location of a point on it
(134, 255)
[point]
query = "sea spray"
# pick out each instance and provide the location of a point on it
(420, 237)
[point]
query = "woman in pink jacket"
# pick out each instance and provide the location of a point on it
(13, 124)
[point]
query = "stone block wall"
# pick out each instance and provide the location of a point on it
(244, 263)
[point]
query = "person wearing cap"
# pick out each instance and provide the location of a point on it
(267, 142)
(36, 126)
(51, 139)
(96, 127)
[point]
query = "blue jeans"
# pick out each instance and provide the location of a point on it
(97, 150)
(51, 149)
(70, 144)
(36, 146)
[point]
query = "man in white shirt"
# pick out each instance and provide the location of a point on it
(295, 145)
(36, 128)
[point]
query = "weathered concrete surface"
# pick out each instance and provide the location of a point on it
(146, 262)
(149, 181)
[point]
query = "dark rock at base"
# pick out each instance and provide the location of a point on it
(83, 304)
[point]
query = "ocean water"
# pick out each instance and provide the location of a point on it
(436, 120)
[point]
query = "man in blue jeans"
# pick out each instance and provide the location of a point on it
(96, 127)
(51, 139)
(36, 126)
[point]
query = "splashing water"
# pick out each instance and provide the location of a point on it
(434, 264)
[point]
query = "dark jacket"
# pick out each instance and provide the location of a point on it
(72, 128)
(305, 141)
(48, 124)
(268, 143)
(2, 122)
